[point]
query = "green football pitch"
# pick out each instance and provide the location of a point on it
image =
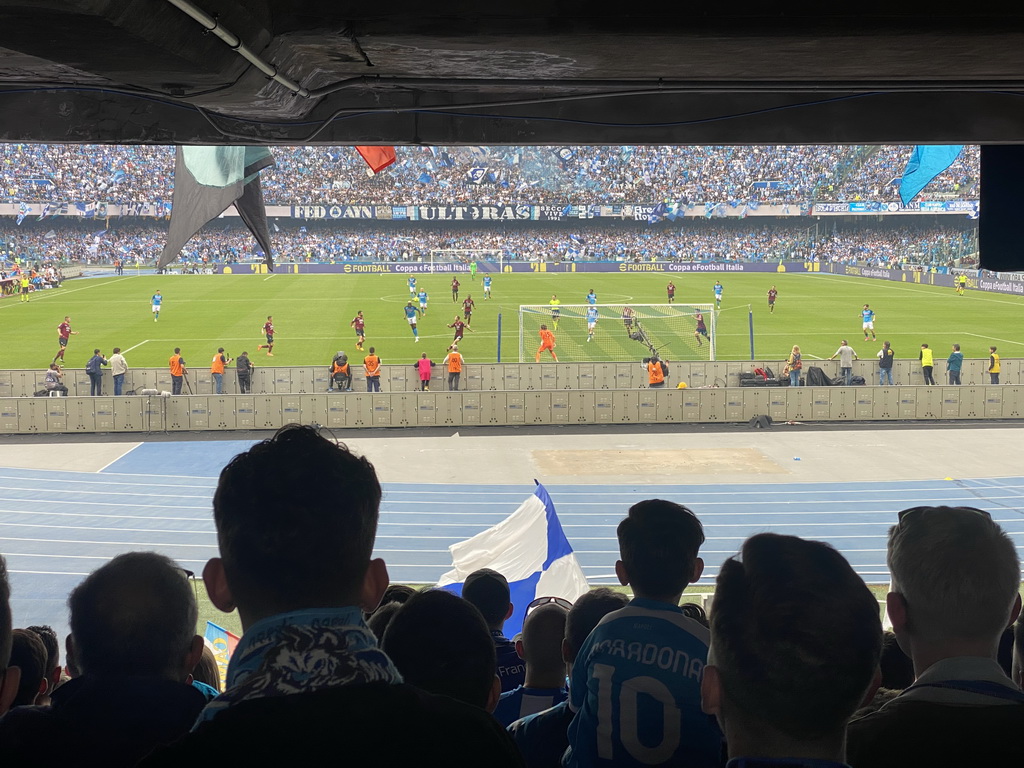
(312, 313)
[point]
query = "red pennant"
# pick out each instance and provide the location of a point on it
(378, 158)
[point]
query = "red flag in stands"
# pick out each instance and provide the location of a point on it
(378, 158)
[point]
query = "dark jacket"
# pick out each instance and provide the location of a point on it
(376, 724)
(98, 721)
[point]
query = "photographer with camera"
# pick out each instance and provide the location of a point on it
(52, 382)
(657, 370)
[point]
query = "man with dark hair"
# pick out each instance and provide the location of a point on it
(52, 645)
(954, 591)
(795, 643)
(542, 738)
(540, 647)
(28, 654)
(456, 662)
(648, 657)
(307, 673)
(133, 637)
(488, 591)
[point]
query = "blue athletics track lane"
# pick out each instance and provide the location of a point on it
(57, 526)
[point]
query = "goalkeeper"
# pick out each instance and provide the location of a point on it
(547, 341)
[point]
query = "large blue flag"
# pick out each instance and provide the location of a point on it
(926, 162)
(529, 549)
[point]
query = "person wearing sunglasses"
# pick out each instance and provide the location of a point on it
(955, 590)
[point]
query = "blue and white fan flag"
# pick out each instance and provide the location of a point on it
(529, 549)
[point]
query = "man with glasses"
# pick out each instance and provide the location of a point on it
(133, 637)
(954, 591)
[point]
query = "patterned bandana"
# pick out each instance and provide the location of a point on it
(303, 652)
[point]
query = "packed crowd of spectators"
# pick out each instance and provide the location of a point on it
(486, 175)
(883, 243)
(790, 668)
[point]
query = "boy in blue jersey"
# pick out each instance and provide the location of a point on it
(635, 686)
(411, 313)
(422, 296)
(795, 643)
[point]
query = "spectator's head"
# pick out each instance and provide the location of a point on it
(28, 654)
(992, 349)
(54, 367)
(658, 543)
(956, 347)
(795, 642)
(955, 581)
(844, 344)
(423, 356)
(440, 643)
(10, 676)
(373, 351)
(296, 517)
(380, 619)
(52, 645)
(924, 346)
(117, 350)
(220, 350)
(585, 614)
(135, 616)
(177, 350)
(488, 591)
(96, 351)
(541, 646)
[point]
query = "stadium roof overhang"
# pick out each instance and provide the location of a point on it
(526, 72)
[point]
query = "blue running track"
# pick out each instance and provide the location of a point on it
(55, 527)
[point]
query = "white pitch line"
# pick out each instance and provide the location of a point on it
(993, 338)
(61, 292)
(267, 278)
(114, 461)
(137, 345)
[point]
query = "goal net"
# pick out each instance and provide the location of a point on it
(620, 332)
(464, 255)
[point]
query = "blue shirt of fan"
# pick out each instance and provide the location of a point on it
(592, 315)
(410, 311)
(592, 298)
(636, 692)
(422, 296)
(510, 667)
(542, 738)
(521, 702)
(868, 315)
(157, 299)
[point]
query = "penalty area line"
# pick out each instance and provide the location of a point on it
(137, 345)
(993, 338)
(267, 278)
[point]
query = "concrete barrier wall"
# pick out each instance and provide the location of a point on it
(511, 377)
(536, 406)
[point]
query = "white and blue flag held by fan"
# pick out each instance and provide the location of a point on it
(529, 548)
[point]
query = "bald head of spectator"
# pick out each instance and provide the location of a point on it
(795, 642)
(541, 646)
(955, 581)
(585, 614)
(135, 617)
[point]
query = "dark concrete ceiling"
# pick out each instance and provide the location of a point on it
(521, 73)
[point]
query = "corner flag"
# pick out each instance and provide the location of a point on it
(529, 548)
(925, 163)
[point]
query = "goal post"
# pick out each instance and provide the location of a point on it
(620, 331)
(466, 255)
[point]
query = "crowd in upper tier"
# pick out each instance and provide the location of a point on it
(487, 175)
(884, 244)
